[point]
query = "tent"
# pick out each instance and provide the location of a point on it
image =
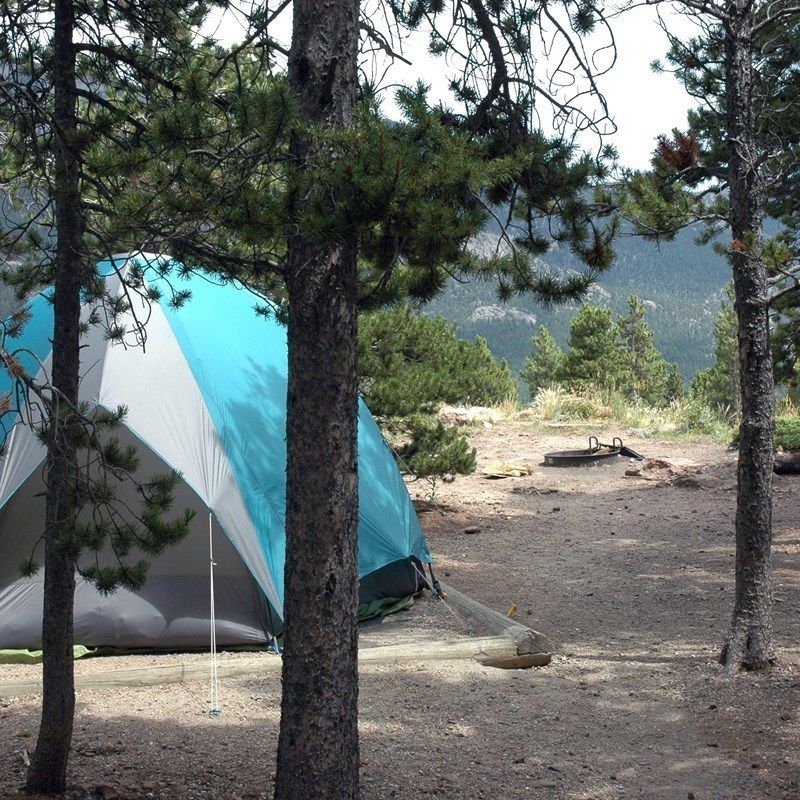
(206, 395)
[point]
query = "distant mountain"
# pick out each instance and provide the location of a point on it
(681, 283)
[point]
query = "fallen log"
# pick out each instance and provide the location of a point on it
(528, 641)
(787, 463)
(508, 645)
(479, 648)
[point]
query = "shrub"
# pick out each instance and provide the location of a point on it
(787, 432)
(409, 366)
(696, 416)
(431, 449)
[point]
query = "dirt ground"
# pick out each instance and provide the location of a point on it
(631, 579)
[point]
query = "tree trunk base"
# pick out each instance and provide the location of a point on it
(746, 648)
(45, 787)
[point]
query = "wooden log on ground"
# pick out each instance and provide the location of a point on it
(509, 645)
(787, 463)
(529, 642)
(479, 648)
(517, 662)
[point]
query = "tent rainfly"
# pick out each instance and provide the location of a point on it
(206, 396)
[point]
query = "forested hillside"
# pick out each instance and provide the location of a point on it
(680, 282)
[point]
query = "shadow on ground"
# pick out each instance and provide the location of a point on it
(633, 583)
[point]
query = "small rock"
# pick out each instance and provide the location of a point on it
(471, 529)
(520, 760)
(787, 717)
(544, 784)
(556, 508)
(697, 481)
(690, 796)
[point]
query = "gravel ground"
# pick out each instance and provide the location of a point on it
(631, 579)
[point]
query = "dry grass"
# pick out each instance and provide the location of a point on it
(559, 406)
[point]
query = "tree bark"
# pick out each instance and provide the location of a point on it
(47, 772)
(749, 640)
(318, 742)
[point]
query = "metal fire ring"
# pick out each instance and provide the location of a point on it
(596, 453)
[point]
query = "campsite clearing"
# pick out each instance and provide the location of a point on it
(631, 578)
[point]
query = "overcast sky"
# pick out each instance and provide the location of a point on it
(642, 104)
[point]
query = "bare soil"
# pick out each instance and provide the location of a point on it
(631, 579)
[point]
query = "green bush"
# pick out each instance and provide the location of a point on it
(696, 416)
(433, 450)
(409, 366)
(787, 433)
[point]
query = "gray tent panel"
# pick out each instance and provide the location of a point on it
(172, 610)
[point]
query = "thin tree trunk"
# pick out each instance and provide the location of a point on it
(318, 742)
(47, 772)
(749, 641)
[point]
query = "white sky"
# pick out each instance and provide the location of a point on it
(643, 104)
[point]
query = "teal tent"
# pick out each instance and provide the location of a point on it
(206, 395)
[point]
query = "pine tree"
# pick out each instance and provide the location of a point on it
(718, 386)
(786, 352)
(594, 358)
(645, 372)
(77, 86)
(368, 213)
(722, 173)
(544, 368)
(410, 363)
(674, 387)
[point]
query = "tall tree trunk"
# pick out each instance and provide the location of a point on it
(318, 742)
(749, 640)
(47, 773)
